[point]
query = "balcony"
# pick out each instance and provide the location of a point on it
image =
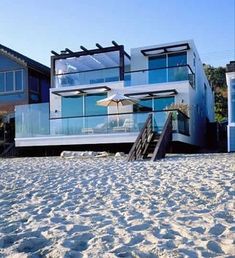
(132, 78)
(159, 75)
(34, 121)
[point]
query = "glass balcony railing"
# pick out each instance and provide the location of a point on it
(131, 78)
(87, 77)
(34, 121)
(159, 75)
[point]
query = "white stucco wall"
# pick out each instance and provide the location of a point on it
(199, 99)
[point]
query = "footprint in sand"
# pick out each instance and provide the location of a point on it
(32, 244)
(79, 228)
(7, 241)
(139, 227)
(135, 240)
(122, 251)
(78, 243)
(199, 230)
(217, 229)
(214, 247)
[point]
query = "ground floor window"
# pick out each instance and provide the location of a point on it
(153, 104)
(83, 105)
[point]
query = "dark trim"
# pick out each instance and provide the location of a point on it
(99, 46)
(69, 51)
(165, 67)
(151, 93)
(89, 52)
(54, 53)
(145, 51)
(122, 64)
(81, 90)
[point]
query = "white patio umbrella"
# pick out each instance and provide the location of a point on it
(117, 99)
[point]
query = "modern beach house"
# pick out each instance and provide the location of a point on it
(230, 78)
(163, 79)
(22, 81)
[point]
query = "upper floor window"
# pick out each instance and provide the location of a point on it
(168, 67)
(11, 81)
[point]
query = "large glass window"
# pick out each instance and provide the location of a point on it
(159, 64)
(153, 104)
(162, 103)
(168, 67)
(144, 105)
(83, 105)
(177, 73)
(72, 106)
(177, 59)
(91, 108)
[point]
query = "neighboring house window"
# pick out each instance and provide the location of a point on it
(11, 81)
(2, 82)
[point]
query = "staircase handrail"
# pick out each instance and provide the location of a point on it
(164, 140)
(141, 140)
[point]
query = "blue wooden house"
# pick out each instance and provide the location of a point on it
(22, 81)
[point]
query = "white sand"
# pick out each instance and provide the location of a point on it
(181, 206)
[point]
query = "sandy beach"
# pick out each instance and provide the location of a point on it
(182, 206)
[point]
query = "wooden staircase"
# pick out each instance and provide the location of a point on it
(148, 153)
(149, 144)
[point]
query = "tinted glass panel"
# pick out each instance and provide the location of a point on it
(18, 80)
(2, 82)
(177, 73)
(157, 62)
(9, 81)
(162, 103)
(72, 106)
(144, 105)
(177, 59)
(87, 62)
(158, 75)
(91, 108)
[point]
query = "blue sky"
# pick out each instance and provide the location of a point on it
(34, 28)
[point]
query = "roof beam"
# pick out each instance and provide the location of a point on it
(99, 46)
(54, 53)
(69, 51)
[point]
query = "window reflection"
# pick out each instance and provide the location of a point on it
(83, 105)
(168, 67)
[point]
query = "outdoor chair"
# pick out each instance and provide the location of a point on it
(127, 126)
